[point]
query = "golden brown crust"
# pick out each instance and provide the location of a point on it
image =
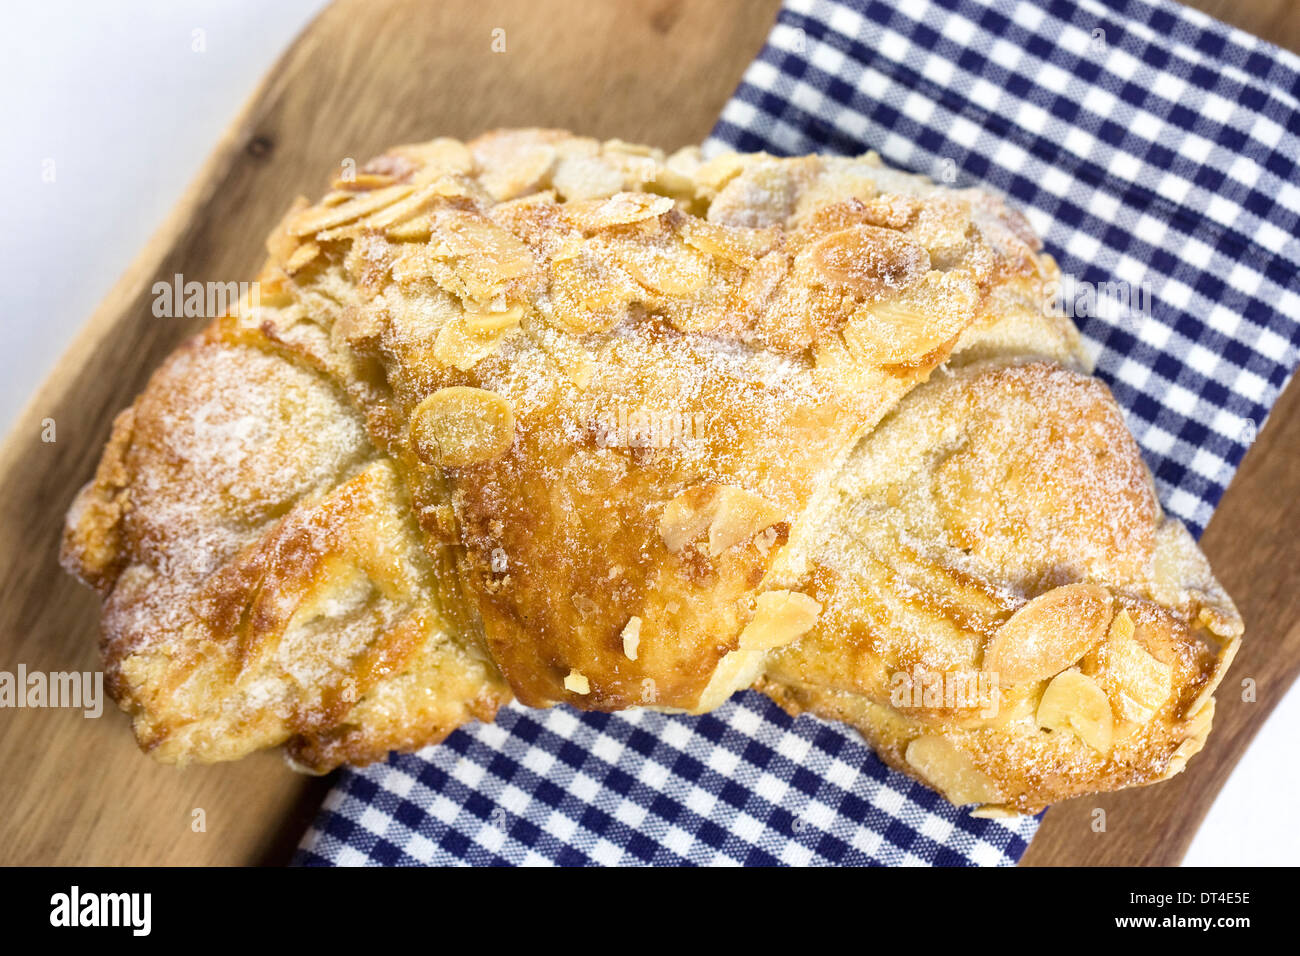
(777, 341)
(997, 530)
(542, 417)
(263, 577)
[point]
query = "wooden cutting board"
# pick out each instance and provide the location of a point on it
(365, 75)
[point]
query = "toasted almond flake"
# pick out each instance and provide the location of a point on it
(317, 218)
(417, 202)
(301, 256)
(687, 517)
(764, 278)
(576, 683)
(460, 426)
(1138, 683)
(1073, 703)
(779, 618)
(719, 171)
(631, 638)
(671, 270)
(412, 262)
(903, 329)
(729, 514)
(1048, 634)
(414, 230)
(439, 157)
(363, 181)
(1122, 628)
(523, 173)
(995, 812)
(491, 323)
(867, 261)
(462, 345)
(740, 246)
(951, 771)
(621, 209)
(738, 516)
(478, 256)
(349, 231)
(586, 177)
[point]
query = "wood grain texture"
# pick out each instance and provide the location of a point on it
(365, 75)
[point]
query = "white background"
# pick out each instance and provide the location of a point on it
(115, 95)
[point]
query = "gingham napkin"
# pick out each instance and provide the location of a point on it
(1149, 145)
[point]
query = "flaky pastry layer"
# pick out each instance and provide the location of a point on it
(542, 418)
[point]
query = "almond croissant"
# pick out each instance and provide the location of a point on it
(547, 419)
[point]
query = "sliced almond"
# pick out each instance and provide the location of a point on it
(867, 261)
(462, 345)
(1145, 682)
(412, 262)
(413, 230)
(494, 323)
(407, 208)
(577, 683)
(951, 771)
(740, 246)
(621, 209)
(359, 182)
(319, 218)
(719, 171)
(588, 294)
(519, 173)
(481, 255)
(301, 257)
(1073, 703)
(586, 177)
(905, 328)
(687, 517)
(1049, 634)
(941, 226)
(672, 269)
(729, 514)
(738, 516)
(1122, 627)
(1138, 682)
(631, 638)
(440, 157)
(764, 278)
(460, 426)
(779, 618)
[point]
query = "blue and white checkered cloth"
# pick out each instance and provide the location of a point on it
(1147, 144)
